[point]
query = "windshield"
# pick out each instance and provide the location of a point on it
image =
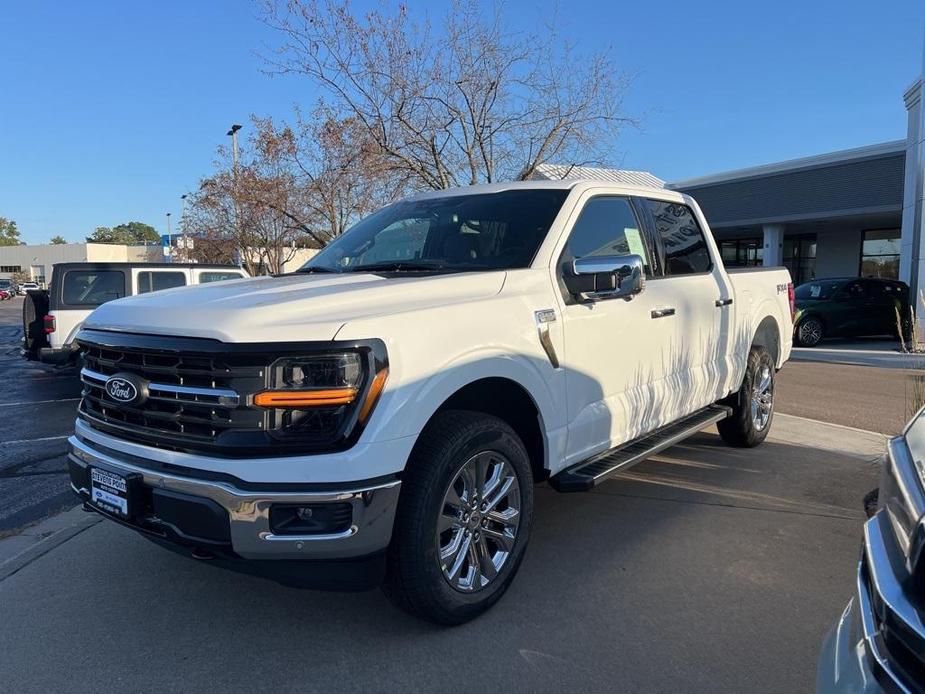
(486, 231)
(824, 289)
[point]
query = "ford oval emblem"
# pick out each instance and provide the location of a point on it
(121, 389)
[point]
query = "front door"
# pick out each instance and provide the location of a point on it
(614, 350)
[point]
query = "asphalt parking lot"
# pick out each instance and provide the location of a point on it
(37, 405)
(703, 569)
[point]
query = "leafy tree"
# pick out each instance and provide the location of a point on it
(130, 233)
(9, 233)
(57, 240)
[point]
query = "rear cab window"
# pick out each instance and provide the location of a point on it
(89, 288)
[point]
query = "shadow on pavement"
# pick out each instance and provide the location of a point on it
(704, 569)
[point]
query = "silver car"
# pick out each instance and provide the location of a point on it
(878, 643)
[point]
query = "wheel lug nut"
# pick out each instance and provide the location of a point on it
(485, 523)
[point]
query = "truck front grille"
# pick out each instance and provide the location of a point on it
(195, 401)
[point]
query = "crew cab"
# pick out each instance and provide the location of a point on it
(381, 415)
(51, 319)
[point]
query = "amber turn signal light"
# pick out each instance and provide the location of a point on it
(306, 398)
(375, 389)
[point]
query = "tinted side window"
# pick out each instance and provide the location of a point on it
(218, 276)
(155, 281)
(606, 226)
(686, 250)
(92, 287)
(854, 290)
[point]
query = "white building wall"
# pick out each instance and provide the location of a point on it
(909, 248)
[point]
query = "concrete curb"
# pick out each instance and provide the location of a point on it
(837, 438)
(20, 550)
(857, 357)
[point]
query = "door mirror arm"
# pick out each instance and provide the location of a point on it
(597, 278)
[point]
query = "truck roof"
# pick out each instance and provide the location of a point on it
(564, 184)
(118, 265)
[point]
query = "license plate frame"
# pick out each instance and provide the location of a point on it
(113, 492)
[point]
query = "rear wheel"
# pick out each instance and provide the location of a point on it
(753, 405)
(810, 332)
(464, 518)
(34, 310)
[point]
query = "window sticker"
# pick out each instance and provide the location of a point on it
(634, 241)
(815, 290)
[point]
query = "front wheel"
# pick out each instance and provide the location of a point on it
(753, 404)
(464, 518)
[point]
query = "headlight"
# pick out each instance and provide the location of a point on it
(902, 500)
(323, 397)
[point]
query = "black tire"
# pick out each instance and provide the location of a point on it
(741, 429)
(809, 332)
(34, 309)
(415, 580)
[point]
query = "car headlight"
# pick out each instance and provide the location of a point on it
(323, 397)
(901, 495)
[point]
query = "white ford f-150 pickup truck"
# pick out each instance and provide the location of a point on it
(382, 415)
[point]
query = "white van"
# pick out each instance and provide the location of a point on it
(52, 318)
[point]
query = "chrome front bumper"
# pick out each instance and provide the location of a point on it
(855, 657)
(373, 508)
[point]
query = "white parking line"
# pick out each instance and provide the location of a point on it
(46, 438)
(36, 402)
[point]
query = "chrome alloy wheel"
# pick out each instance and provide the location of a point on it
(478, 522)
(810, 332)
(762, 398)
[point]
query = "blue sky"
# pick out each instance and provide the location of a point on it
(110, 111)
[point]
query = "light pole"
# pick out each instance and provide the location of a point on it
(183, 224)
(168, 235)
(233, 133)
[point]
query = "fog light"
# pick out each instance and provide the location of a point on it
(310, 519)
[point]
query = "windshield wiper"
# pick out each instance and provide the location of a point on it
(397, 266)
(317, 268)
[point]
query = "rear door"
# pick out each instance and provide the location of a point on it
(886, 307)
(701, 326)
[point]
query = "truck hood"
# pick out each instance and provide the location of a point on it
(290, 308)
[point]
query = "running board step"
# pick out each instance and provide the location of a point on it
(586, 474)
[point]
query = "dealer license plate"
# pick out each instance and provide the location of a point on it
(109, 492)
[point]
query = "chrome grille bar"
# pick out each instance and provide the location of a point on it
(173, 393)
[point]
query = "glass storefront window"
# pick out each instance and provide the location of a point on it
(880, 253)
(800, 257)
(742, 252)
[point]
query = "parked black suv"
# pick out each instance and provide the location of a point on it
(850, 307)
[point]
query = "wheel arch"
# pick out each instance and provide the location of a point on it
(768, 335)
(509, 401)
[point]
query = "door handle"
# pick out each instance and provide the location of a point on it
(662, 312)
(723, 302)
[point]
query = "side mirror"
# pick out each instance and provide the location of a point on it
(595, 278)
